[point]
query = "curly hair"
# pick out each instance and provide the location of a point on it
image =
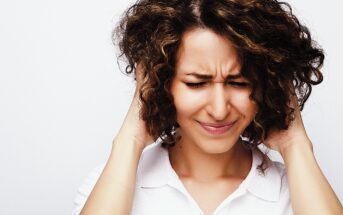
(278, 57)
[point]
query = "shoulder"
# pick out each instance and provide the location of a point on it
(148, 159)
(271, 184)
(282, 173)
(86, 188)
(276, 170)
(280, 167)
(284, 196)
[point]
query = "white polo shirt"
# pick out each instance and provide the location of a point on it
(159, 190)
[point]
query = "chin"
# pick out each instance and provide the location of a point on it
(216, 146)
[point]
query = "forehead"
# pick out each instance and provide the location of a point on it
(204, 51)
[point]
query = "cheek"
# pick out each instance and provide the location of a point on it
(186, 101)
(244, 104)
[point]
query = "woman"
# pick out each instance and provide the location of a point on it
(215, 79)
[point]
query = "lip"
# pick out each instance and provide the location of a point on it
(217, 128)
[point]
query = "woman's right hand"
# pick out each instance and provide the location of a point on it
(133, 128)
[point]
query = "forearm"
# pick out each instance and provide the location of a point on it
(113, 192)
(310, 191)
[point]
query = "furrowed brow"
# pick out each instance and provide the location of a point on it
(234, 76)
(200, 76)
(209, 77)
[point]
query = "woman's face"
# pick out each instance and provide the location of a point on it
(211, 98)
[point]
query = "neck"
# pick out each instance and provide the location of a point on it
(190, 162)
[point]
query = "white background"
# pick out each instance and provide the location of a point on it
(63, 98)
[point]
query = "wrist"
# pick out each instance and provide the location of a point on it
(296, 145)
(127, 144)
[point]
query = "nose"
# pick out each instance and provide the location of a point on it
(219, 105)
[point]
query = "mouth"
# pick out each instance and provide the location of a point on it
(216, 128)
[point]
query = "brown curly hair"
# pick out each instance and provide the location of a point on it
(279, 57)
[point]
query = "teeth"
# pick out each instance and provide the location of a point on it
(216, 128)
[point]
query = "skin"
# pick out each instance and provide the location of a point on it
(206, 163)
(310, 191)
(207, 157)
(225, 163)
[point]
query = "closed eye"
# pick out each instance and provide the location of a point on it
(233, 83)
(195, 85)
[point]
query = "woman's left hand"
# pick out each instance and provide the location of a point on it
(294, 135)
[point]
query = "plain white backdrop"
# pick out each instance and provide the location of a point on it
(63, 98)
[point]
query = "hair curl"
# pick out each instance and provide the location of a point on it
(279, 57)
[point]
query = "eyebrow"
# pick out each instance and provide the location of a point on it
(209, 77)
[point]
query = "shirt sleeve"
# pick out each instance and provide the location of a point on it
(86, 188)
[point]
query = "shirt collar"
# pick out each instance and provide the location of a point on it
(155, 170)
